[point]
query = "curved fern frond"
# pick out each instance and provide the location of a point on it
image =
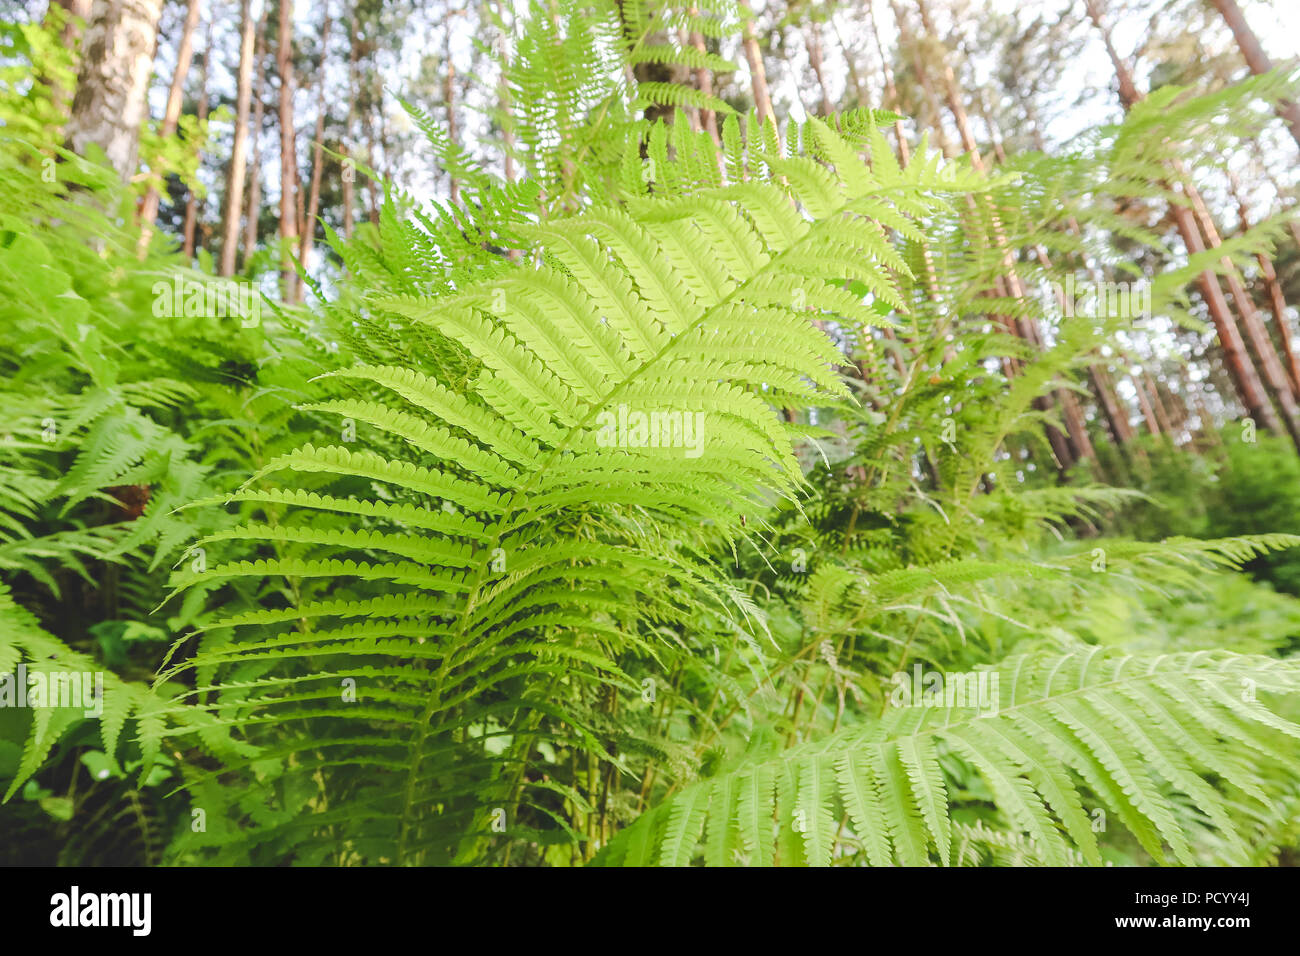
(616, 385)
(1054, 738)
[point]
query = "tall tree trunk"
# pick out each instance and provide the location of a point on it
(349, 165)
(905, 39)
(449, 100)
(704, 83)
(643, 72)
(1128, 91)
(288, 154)
(1257, 59)
(1275, 379)
(1245, 378)
(254, 210)
(1148, 410)
(192, 203)
(80, 9)
(109, 106)
(172, 114)
(503, 98)
(1277, 301)
(754, 58)
(372, 188)
(318, 153)
(855, 78)
(812, 41)
(74, 11)
(238, 160)
(1079, 443)
(952, 92)
(1158, 403)
(1111, 407)
(1208, 433)
(1108, 400)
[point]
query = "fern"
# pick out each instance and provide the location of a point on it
(530, 577)
(1070, 733)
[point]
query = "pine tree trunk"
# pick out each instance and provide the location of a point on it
(1257, 59)
(812, 40)
(754, 58)
(349, 167)
(318, 154)
(254, 205)
(192, 203)
(905, 39)
(1275, 379)
(172, 114)
(449, 101)
(1148, 410)
(507, 116)
(1245, 378)
(80, 9)
(704, 83)
(74, 10)
(1079, 443)
(855, 79)
(1112, 409)
(1276, 299)
(238, 159)
(1158, 404)
(1240, 368)
(117, 56)
(288, 154)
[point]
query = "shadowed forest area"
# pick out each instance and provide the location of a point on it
(625, 433)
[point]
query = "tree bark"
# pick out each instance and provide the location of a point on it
(1144, 401)
(503, 95)
(812, 41)
(1079, 442)
(318, 154)
(1275, 379)
(74, 10)
(172, 114)
(71, 30)
(1276, 299)
(1116, 417)
(238, 160)
(254, 210)
(288, 153)
(1257, 59)
(1245, 378)
(754, 58)
(192, 203)
(449, 100)
(704, 83)
(349, 166)
(109, 106)
(922, 75)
